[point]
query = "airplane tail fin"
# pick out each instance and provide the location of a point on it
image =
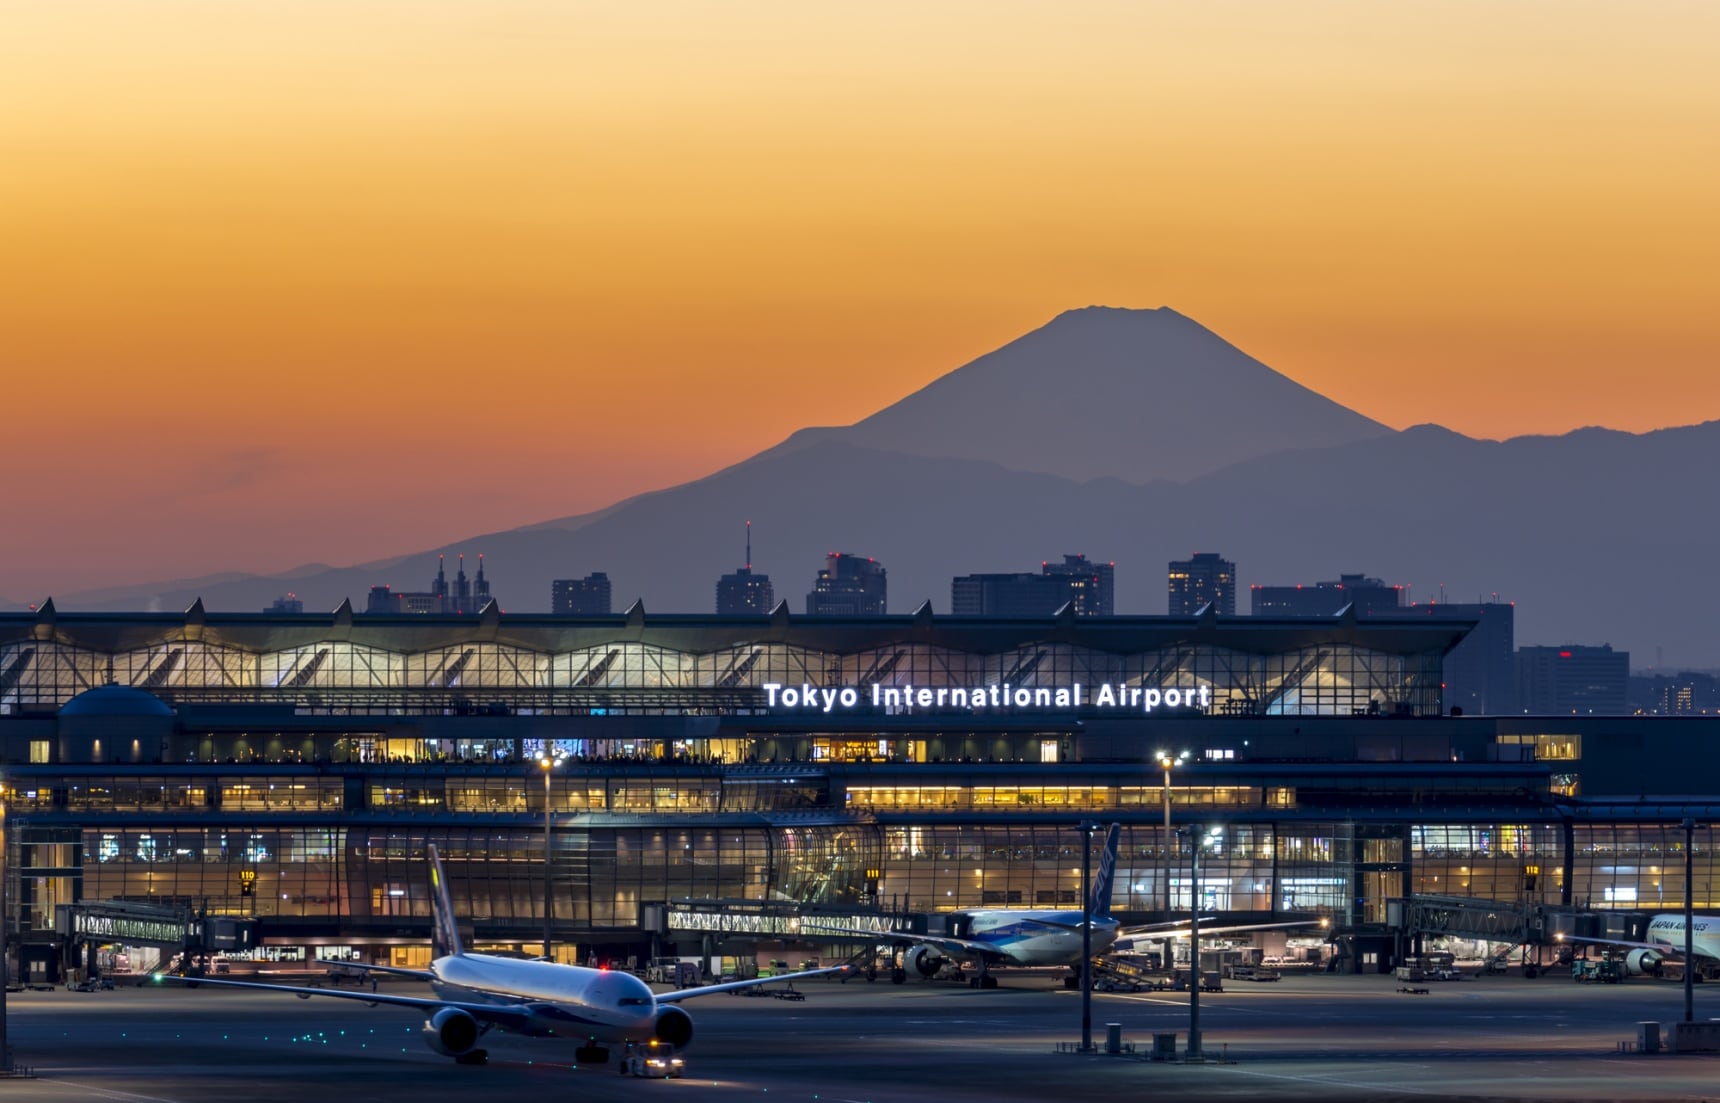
(444, 929)
(1101, 903)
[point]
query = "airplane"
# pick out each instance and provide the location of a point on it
(1006, 936)
(1666, 944)
(477, 993)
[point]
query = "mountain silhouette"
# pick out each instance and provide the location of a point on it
(1597, 535)
(1105, 392)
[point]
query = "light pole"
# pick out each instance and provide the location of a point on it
(1689, 826)
(1086, 936)
(5, 871)
(1166, 762)
(1196, 838)
(548, 761)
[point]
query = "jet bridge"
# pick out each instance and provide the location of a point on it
(84, 926)
(1468, 917)
(1507, 921)
(1534, 927)
(767, 920)
(169, 927)
(717, 922)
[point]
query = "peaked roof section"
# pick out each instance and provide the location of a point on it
(398, 632)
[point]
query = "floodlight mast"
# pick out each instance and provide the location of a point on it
(548, 761)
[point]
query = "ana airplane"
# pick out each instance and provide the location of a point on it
(1006, 936)
(1665, 943)
(477, 993)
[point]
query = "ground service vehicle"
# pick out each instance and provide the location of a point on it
(656, 1060)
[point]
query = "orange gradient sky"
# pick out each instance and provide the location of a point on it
(325, 281)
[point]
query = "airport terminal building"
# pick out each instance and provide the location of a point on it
(291, 768)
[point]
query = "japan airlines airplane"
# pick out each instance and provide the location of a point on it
(477, 993)
(1006, 936)
(1666, 944)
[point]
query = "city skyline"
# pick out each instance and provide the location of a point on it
(255, 253)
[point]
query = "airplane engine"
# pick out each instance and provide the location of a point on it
(1643, 962)
(674, 1027)
(924, 960)
(451, 1032)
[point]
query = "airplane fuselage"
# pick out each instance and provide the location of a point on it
(1038, 937)
(1668, 929)
(562, 1001)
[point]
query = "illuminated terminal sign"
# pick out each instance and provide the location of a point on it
(998, 697)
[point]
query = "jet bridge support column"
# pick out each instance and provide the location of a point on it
(1086, 938)
(1568, 843)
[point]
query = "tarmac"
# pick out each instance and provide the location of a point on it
(1306, 1037)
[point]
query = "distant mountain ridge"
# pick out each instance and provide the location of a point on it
(1598, 535)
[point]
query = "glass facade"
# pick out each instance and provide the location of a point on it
(364, 877)
(1242, 868)
(1635, 866)
(296, 770)
(1044, 798)
(713, 666)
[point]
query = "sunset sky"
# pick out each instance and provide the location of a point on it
(326, 280)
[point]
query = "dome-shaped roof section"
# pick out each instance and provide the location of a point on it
(115, 700)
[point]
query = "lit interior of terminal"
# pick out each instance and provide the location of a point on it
(291, 769)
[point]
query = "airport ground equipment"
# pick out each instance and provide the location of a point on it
(658, 1060)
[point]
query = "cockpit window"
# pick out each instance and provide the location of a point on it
(632, 1001)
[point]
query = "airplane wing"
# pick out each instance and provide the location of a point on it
(392, 970)
(1169, 927)
(1157, 931)
(1676, 952)
(734, 985)
(952, 947)
(505, 1015)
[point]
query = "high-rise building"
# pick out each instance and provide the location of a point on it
(743, 591)
(581, 597)
(286, 603)
(1481, 671)
(1323, 599)
(468, 596)
(1009, 595)
(382, 599)
(1092, 586)
(464, 596)
(1573, 679)
(1076, 582)
(1206, 578)
(849, 585)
